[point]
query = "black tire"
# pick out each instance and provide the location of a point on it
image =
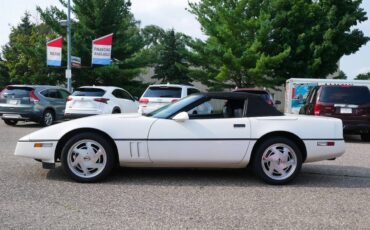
(259, 168)
(110, 157)
(365, 137)
(11, 122)
(116, 110)
(48, 118)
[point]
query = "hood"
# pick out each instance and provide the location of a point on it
(115, 125)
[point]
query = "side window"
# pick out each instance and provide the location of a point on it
(126, 95)
(51, 93)
(192, 91)
(218, 108)
(121, 94)
(45, 93)
(63, 94)
(313, 95)
(308, 99)
(117, 93)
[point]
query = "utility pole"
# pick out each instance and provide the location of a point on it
(68, 70)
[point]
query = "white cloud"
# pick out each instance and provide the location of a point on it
(12, 11)
(167, 14)
(363, 70)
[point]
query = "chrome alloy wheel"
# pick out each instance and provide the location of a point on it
(86, 158)
(48, 118)
(279, 161)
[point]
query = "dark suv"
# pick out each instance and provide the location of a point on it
(349, 103)
(39, 103)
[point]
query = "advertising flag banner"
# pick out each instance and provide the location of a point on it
(101, 50)
(54, 52)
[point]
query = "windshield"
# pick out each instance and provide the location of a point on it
(16, 92)
(171, 109)
(357, 95)
(163, 91)
(89, 92)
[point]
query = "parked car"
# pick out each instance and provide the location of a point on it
(297, 89)
(263, 93)
(157, 96)
(39, 103)
(349, 103)
(94, 100)
(245, 132)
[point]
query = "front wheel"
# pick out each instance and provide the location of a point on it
(87, 157)
(278, 161)
(48, 118)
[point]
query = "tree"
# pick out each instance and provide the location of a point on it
(169, 54)
(4, 74)
(25, 52)
(95, 18)
(363, 76)
(263, 43)
(342, 75)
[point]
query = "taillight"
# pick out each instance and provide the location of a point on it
(317, 109)
(144, 101)
(327, 109)
(174, 100)
(326, 143)
(33, 97)
(362, 111)
(102, 100)
(270, 102)
(69, 99)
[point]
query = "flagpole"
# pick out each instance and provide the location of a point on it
(68, 70)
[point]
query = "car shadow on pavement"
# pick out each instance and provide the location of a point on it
(311, 176)
(30, 124)
(23, 124)
(354, 139)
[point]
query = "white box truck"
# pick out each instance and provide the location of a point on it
(296, 90)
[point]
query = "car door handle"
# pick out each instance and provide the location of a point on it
(239, 125)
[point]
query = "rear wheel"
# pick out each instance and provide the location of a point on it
(116, 110)
(88, 157)
(48, 118)
(365, 137)
(278, 161)
(10, 122)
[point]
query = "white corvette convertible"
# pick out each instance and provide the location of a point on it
(241, 130)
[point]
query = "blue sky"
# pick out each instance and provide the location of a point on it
(169, 14)
(360, 61)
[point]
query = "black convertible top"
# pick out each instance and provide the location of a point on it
(256, 106)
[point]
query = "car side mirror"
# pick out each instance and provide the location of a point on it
(181, 117)
(277, 102)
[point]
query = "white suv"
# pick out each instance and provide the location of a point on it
(157, 96)
(93, 100)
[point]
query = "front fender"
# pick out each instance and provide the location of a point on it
(116, 126)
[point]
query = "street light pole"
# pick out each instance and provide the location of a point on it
(68, 70)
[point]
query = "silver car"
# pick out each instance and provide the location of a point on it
(39, 103)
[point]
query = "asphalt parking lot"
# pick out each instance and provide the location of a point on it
(326, 195)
